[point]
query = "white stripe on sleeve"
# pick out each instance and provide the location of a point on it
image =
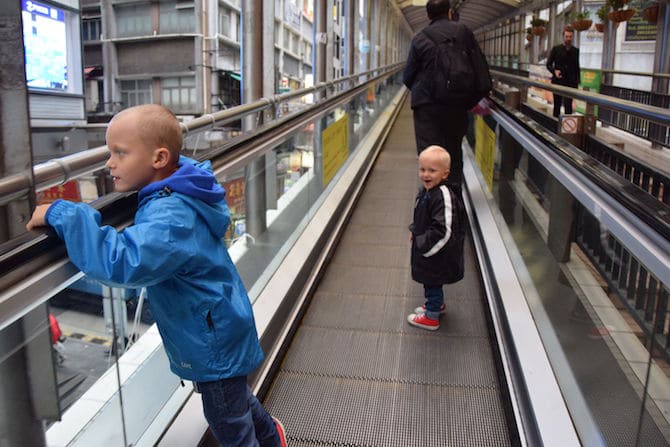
(446, 196)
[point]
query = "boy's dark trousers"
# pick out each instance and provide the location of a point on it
(434, 297)
(235, 416)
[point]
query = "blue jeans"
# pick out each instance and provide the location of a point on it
(434, 300)
(235, 416)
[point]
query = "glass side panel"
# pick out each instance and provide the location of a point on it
(595, 305)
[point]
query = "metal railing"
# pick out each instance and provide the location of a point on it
(59, 171)
(637, 126)
(643, 295)
(636, 172)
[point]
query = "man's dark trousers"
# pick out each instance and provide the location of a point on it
(567, 103)
(437, 124)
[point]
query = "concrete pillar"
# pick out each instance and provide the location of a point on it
(609, 50)
(561, 221)
(109, 58)
(321, 36)
(252, 89)
(15, 143)
(510, 155)
(351, 44)
(553, 26)
(662, 53)
(269, 89)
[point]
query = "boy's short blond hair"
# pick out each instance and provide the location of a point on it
(440, 152)
(157, 127)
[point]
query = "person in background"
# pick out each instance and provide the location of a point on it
(563, 64)
(439, 122)
(175, 249)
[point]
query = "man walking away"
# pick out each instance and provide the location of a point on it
(447, 74)
(563, 63)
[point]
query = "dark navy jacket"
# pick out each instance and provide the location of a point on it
(566, 61)
(422, 52)
(438, 232)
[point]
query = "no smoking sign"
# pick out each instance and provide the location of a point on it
(569, 125)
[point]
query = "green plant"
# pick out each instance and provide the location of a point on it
(529, 30)
(602, 14)
(536, 21)
(577, 15)
(617, 5)
(581, 15)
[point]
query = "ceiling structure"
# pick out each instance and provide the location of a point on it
(473, 13)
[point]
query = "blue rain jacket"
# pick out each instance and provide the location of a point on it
(175, 249)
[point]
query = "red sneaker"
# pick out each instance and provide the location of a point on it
(281, 432)
(422, 321)
(422, 309)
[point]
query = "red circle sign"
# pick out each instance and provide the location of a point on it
(569, 125)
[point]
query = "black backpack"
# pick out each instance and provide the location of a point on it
(459, 76)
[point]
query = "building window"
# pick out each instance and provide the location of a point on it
(229, 22)
(177, 17)
(295, 44)
(178, 94)
(307, 51)
(136, 92)
(133, 20)
(91, 29)
(287, 39)
(224, 21)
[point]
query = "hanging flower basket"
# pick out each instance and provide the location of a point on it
(621, 15)
(600, 27)
(538, 30)
(582, 25)
(651, 13)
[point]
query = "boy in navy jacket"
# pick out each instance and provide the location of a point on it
(437, 236)
(175, 249)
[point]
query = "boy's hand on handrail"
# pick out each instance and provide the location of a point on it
(38, 218)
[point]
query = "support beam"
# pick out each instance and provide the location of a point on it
(15, 144)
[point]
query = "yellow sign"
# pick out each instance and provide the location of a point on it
(485, 142)
(335, 144)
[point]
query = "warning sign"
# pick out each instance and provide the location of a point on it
(569, 125)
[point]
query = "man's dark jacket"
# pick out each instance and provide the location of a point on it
(560, 58)
(423, 50)
(438, 232)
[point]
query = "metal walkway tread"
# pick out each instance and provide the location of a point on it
(356, 374)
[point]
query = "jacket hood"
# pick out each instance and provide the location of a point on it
(197, 185)
(192, 179)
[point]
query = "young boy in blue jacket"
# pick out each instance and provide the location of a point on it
(175, 249)
(438, 232)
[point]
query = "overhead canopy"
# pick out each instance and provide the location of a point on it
(473, 13)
